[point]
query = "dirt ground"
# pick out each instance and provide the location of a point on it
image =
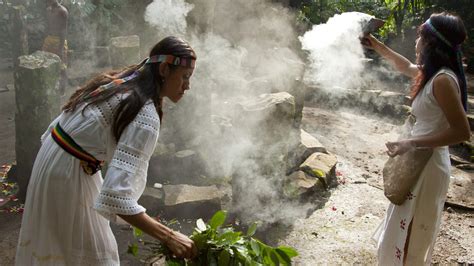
(341, 231)
(338, 233)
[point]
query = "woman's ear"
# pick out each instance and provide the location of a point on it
(164, 70)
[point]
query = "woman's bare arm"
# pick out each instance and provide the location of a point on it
(447, 95)
(400, 62)
(179, 244)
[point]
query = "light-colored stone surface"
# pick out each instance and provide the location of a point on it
(124, 50)
(178, 194)
(320, 165)
(37, 104)
(310, 143)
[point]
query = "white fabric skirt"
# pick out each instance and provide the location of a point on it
(423, 208)
(59, 225)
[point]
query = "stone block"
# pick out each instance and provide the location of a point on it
(152, 200)
(185, 201)
(322, 166)
(299, 184)
(307, 145)
(124, 51)
(37, 104)
(310, 144)
(182, 167)
(264, 131)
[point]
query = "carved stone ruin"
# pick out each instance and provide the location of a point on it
(124, 51)
(38, 103)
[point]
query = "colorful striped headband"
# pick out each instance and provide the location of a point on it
(172, 60)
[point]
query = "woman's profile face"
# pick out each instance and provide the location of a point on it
(176, 83)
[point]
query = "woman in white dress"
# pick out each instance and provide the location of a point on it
(114, 118)
(408, 232)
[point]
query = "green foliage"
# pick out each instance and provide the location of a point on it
(398, 14)
(222, 245)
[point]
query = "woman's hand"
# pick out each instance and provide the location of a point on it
(370, 42)
(181, 245)
(399, 147)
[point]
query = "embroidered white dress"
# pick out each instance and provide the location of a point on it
(424, 205)
(67, 212)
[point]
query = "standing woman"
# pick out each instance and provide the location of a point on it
(114, 118)
(408, 233)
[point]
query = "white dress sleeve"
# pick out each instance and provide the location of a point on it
(126, 174)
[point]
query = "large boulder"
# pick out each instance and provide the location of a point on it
(262, 134)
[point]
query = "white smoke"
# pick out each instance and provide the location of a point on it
(168, 16)
(244, 48)
(337, 57)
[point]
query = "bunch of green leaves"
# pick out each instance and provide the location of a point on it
(222, 245)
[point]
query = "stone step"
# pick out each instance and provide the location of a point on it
(183, 201)
(322, 166)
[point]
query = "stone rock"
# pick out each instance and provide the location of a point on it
(369, 97)
(182, 167)
(394, 98)
(306, 146)
(310, 144)
(299, 92)
(322, 166)
(37, 104)
(164, 149)
(266, 122)
(124, 51)
(185, 201)
(461, 188)
(152, 200)
(456, 160)
(392, 104)
(264, 131)
(467, 166)
(299, 183)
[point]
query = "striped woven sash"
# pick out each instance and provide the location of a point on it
(89, 163)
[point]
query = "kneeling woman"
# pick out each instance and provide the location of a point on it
(114, 118)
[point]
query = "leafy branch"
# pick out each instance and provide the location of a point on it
(222, 245)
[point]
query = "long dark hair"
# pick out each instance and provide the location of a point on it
(436, 53)
(145, 86)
